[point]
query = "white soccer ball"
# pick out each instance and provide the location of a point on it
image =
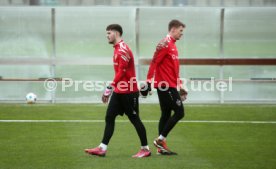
(31, 98)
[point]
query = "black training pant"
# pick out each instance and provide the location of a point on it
(121, 104)
(169, 100)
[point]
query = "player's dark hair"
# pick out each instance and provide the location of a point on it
(115, 27)
(175, 24)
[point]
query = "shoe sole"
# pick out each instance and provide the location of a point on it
(100, 155)
(141, 157)
(166, 153)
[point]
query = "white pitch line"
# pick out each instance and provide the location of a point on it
(241, 122)
(125, 121)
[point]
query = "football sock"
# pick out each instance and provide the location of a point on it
(145, 147)
(161, 137)
(103, 146)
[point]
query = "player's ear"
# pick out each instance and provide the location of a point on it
(118, 34)
(173, 29)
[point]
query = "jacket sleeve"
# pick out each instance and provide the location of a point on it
(159, 54)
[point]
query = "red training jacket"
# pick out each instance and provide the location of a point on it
(164, 66)
(125, 77)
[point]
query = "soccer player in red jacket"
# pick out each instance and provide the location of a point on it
(164, 68)
(124, 98)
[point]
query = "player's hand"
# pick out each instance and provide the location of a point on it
(145, 89)
(106, 94)
(183, 94)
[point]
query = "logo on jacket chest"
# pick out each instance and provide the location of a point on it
(174, 53)
(174, 56)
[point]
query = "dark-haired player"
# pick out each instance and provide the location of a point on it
(124, 97)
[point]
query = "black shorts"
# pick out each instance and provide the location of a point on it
(121, 104)
(170, 100)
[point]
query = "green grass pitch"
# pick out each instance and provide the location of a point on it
(200, 145)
